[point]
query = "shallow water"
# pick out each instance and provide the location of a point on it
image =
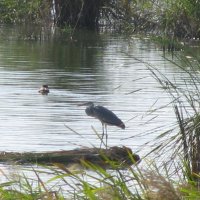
(97, 67)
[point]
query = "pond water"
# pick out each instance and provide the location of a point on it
(95, 67)
(107, 69)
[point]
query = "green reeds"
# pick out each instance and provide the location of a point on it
(144, 182)
(185, 101)
(141, 182)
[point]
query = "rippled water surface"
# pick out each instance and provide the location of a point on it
(97, 67)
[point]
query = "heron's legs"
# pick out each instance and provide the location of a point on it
(102, 135)
(104, 129)
(106, 136)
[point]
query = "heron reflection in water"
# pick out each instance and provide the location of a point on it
(107, 117)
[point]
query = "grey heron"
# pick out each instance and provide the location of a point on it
(106, 116)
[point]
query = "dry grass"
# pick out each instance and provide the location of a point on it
(158, 187)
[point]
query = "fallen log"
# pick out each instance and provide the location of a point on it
(119, 156)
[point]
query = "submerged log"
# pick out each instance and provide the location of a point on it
(119, 156)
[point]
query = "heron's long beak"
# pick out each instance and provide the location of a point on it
(86, 104)
(81, 104)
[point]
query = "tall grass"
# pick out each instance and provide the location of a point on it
(137, 183)
(186, 141)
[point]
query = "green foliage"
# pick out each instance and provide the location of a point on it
(181, 18)
(169, 18)
(22, 11)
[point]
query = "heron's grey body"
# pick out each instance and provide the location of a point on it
(106, 117)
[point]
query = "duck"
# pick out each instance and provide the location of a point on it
(44, 90)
